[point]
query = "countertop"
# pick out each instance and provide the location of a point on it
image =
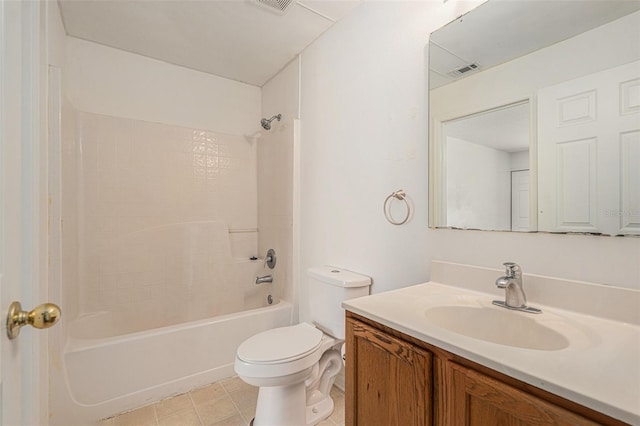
(599, 368)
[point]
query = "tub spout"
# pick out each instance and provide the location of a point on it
(265, 279)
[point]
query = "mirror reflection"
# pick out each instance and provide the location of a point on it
(487, 169)
(565, 78)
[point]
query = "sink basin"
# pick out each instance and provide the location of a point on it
(498, 325)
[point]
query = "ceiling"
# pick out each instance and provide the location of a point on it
(498, 31)
(237, 39)
(505, 129)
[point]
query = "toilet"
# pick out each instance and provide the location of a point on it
(295, 366)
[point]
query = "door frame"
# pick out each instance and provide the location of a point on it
(513, 173)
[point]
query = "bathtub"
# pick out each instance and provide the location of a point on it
(109, 375)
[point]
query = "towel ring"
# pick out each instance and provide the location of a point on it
(400, 195)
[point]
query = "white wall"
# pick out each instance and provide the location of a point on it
(364, 135)
(478, 186)
(103, 80)
(363, 111)
(519, 160)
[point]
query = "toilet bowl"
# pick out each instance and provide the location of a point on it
(296, 366)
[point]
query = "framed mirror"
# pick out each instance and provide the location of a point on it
(535, 118)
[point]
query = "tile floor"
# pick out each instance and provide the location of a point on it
(230, 402)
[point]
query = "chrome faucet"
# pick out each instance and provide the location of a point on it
(512, 283)
(265, 279)
(514, 292)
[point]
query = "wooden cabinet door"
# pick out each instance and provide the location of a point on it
(479, 400)
(388, 381)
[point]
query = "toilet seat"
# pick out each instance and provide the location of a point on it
(280, 345)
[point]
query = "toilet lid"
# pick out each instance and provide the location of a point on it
(280, 344)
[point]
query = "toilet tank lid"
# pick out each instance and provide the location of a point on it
(338, 276)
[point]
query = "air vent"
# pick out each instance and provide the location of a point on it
(464, 70)
(278, 6)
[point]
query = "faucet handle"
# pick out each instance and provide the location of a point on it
(512, 269)
(270, 259)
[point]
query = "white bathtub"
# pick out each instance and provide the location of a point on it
(110, 375)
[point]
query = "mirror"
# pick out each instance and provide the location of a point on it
(535, 118)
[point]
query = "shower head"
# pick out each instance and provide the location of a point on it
(266, 124)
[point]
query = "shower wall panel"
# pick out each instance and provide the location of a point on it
(156, 202)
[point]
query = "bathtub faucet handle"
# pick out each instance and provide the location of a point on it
(270, 259)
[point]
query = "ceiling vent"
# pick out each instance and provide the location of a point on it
(277, 6)
(467, 69)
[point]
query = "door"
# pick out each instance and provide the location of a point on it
(589, 153)
(19, 212)
(520, 201)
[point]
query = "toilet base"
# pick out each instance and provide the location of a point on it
(303, 402)
(293, 411)
(319, 411)
(290, 409)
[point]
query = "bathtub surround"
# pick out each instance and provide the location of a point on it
(141, 174)
(160, 205)
(153, 205)
(155, 218)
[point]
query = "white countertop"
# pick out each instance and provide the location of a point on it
(600, 367)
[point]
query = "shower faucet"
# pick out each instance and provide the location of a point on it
(270, 259)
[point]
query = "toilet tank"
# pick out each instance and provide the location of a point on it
(328, 287)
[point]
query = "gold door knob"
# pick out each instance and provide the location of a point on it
(43, 316)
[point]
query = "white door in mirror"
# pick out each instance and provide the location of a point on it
(589, 153)
(520, 201)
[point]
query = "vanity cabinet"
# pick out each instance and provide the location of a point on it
(389, 379)
(395, 379)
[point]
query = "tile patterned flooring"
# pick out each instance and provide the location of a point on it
(230, 402)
